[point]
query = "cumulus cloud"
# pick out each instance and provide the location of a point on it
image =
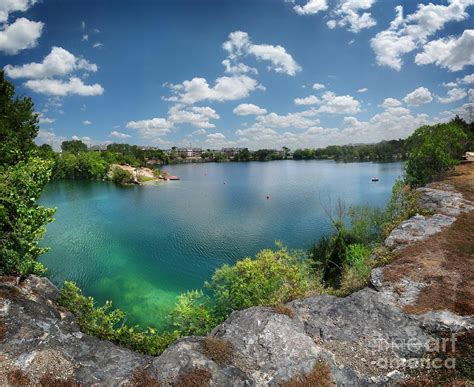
(216, 136)
(418, 97)
(74, 86)
(19, 35)
(311, 7)
(350, 14)
(10, 6)
(318, 86)
(224, 89)
(453, 95)
(200, 132)
(58, 62)
(338, 104)
(247, 109)
(49, 137)
(98, 45)
(45, 120)
(237, 68)
(363, 90)
(197, 116)
(294, 120)
(451, 53)
(240, 45)
(310, 100)
(116, 134)
(391, 103)
(86, 122)
(406, 34)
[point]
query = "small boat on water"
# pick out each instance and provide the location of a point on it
(375, 179)
(173, 178)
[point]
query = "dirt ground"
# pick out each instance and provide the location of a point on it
(445, 262)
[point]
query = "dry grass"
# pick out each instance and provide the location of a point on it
(18, 378)
(284, 309)
(196, 378)
(219, 350)
(142, 378)
(3, 331)
(48, 380)
(321, 376)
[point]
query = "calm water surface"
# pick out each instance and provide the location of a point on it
(142, 246)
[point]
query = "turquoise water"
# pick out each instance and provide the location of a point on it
(142, 246)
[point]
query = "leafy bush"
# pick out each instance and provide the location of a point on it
(81, 165)
(109, 324)
(271, 278)
(192, 314)
(121, 176)
(433, 150)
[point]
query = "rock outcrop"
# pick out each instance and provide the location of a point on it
(364, 339)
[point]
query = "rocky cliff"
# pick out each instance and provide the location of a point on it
(368, 338)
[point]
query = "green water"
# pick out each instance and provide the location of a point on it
(142, 246)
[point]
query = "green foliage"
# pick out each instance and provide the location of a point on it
(73, 146)
(107, 323)
(271, 278)
(433, 150)
(121, 176)
(366, 223)
(192, 314)
(18, 125)
(81, 165)
(22, 178)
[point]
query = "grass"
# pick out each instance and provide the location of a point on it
(142, 378)
(320, 376)
(284, 309)
(219, 350)
(196, 378)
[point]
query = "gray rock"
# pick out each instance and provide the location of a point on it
(445, 201)
(443, 321)
(417, 228)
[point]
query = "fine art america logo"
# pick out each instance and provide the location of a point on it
(429, 353)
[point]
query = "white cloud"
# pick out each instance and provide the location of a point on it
(45, 120)
(468, 79)
(247, 109)
(225, 89)
(10, 6)
(310, 100)
(200, 132)
(49, 137)
(331, 24)
(20, 35)
(87, 122)
(197, 116)
(349, 13)
(295, 120)
(338, 104)
(237, 68)
(116, 134)
(239, 45)
(216, 136)
(363, 90)
(451, 53)
(318, 86)
(405, 34)
(85, 38)
(57, 63)
(156, 125)
(454, 94)
(418, 97)
(61, 88)
(312, 7)
(98, 45)
(391, 103)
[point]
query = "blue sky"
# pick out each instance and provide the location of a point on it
(255, 73)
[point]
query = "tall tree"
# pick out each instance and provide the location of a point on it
(23, 176)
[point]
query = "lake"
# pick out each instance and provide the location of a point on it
(143, 246)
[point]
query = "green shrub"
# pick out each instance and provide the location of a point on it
(271, 278)
(192, 315)
(109, 324)
(121, 176)
(433, 150)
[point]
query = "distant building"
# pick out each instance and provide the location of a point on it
(231, 153)
(189, 152)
